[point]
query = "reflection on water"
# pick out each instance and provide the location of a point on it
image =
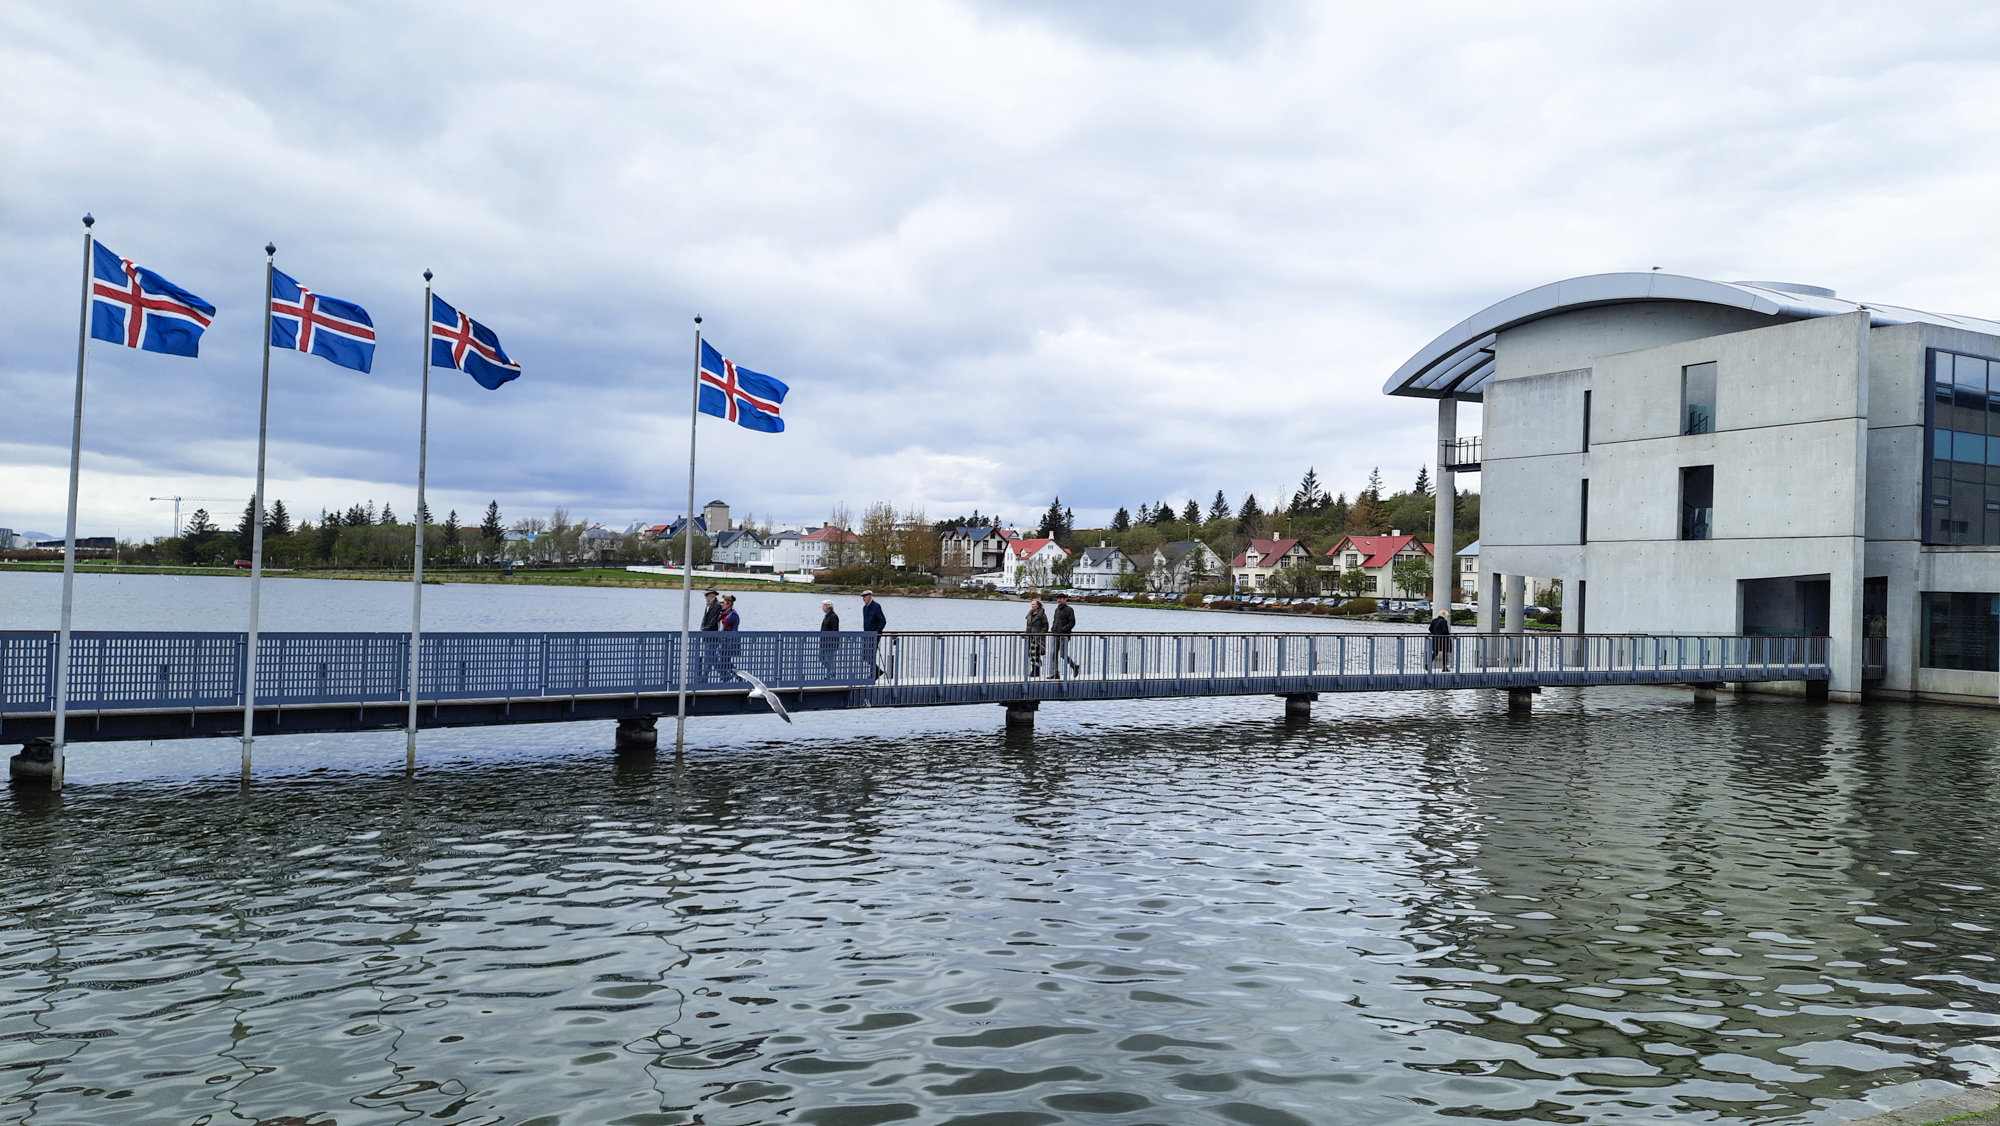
(1410, 908)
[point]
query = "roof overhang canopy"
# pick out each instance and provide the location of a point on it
(1459, 363)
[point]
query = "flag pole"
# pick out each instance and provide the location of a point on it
(687, 556)
(69, 536)
(417, 570)
(257, 523)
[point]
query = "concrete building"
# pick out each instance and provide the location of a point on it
(1694, 456)
(715, 517)
(1468, 577)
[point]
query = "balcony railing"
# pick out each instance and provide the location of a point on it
(1461, 456)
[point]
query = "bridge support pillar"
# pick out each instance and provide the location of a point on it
(1521, 699)
(638, 733)
(1704, 693)
(1021, 713)
(1299, 705)
(35, 763)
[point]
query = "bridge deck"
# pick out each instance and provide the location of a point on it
(177, 685)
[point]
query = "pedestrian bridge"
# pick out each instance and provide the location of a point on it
(126, 685)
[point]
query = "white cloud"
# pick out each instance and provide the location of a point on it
(1001, 251)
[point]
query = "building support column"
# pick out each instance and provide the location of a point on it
(1299, 705)
(1021, 713)
(1517, 604)
(1521, 700)
(1489, 601)
(1444, 562)
(1705, 693)
(638, 733)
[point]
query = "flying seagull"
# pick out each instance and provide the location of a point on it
(757, 690)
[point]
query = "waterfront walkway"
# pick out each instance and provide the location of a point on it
(128, 685)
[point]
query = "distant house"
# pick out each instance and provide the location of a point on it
(1376, 557)
(972, 550)
(1029, 563)
(601, 542)
(1255, 565)
(742, 549)
(812, 550)
(1468, 576)
(1098, 568)
(1174, 567)
(715, 514)
(673, 530)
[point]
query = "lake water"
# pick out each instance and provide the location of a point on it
(1410, 908)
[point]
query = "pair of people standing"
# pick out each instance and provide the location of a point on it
(873, 620)
(718, 615)
(1039, 627)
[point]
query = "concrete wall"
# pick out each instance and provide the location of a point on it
(1790, 471)
(1568, 341)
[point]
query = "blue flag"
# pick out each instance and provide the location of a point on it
(742, 396)
(303, 321)
(458, 341)
(138, 308)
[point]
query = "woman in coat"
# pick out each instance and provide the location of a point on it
(1038, 637)
(829, 647)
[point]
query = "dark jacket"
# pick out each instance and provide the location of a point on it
(831, 621)
(1038, 622)
(711, 618)
(873, 620)
(1440, 627)
(1065, 618)
(729, 621)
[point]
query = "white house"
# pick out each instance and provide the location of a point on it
(1028, 563)
(741, 548)
(1098, 568)
(1709, 457)
(808, 551)
(1255, 564)
(1468, 577)
(1176, 566)
(1376, 557)
(972, 550)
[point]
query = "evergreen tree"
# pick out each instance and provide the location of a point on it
(1163, 513)
(1337, 514)
(1375, 483)
(388, 514)
(357, 516)
(1191, 515)
(371, 511)
(244, 528)
(1220, 509)
(1368, 517)
(1068, 527)
(491, 529)
(1145, 514)
(1121, 522)
(1310, 499)
(1051, 526)
(451, 529)
(1249, 518)
(1423, 485)
(277, 522)
(424, 514)
(198, 537)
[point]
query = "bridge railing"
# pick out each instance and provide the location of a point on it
(968, 658)
(174, 671)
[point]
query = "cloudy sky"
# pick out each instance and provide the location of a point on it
(1118, 252)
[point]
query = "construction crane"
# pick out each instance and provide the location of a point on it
(177, 507)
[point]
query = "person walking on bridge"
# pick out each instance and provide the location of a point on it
(874, 621)
(1038, 637)
(828, 646)
(1064, 625)
(711, 622)
(1440, 644)
(729, 622)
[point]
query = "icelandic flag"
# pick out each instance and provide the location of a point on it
(138, 308)
(458, 341)
(742, 396)
(303, 321)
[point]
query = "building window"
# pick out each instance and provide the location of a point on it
(1698, 398)
(1962, 631)
(1583, 514)
(1586, 422)
(1962, 497)
(1697, 502)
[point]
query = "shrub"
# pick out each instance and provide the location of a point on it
(1358, 606)
(871, 575)
(1192, 598)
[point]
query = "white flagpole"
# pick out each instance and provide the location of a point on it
(257, 521)
(687, 556)
(69, 536)
(417, 571)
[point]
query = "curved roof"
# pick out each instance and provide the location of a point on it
(1459, 363)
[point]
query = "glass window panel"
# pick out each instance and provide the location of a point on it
(1968, 471)
(1968, 447)
(1968, 380)
(1941, 444)
(1961, 631)
(1698, 399)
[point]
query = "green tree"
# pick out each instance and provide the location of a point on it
(1299, 580)
(277, 522)
(1423, 486)
(1219, 508)
(1191, 515)
(1121, 522)
(1310, 499)
(198, 538)
(245, 528)
(1368, 518)
(388, 514)
(1250, 518)
(451, 529)
(491, 529)
(1355, 582)
(1412, 577)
